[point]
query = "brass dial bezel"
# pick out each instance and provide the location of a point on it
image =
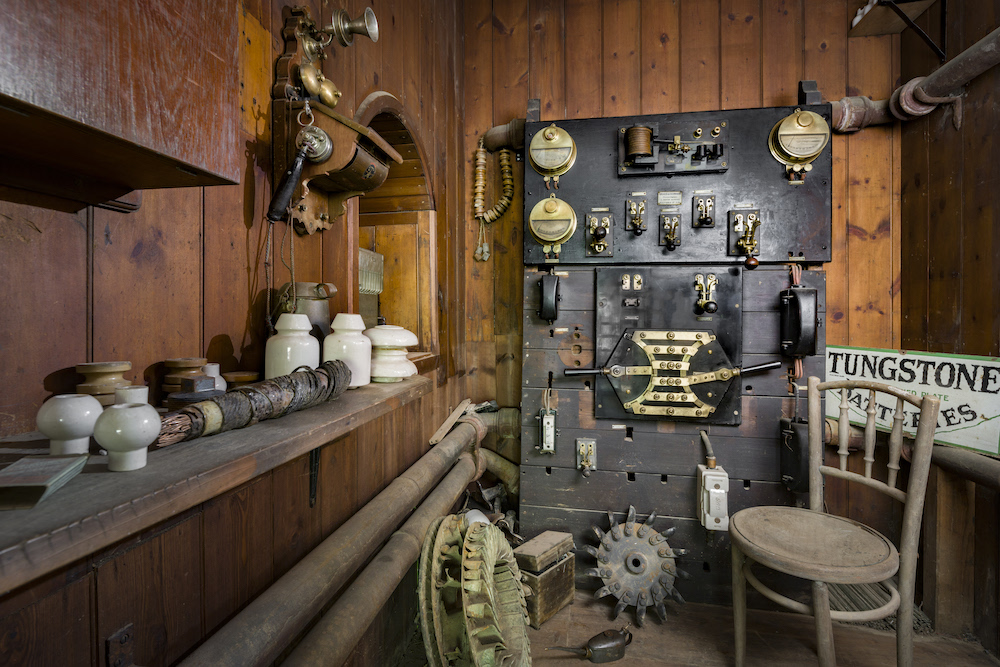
(792, 127)
(552, 138)
(561, 212)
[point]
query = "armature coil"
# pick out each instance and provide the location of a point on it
(639, 141)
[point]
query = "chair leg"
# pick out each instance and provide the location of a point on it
(824, 626)
(739, 606)
(904, 623)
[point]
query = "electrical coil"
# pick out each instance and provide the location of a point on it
(479, 187)
(639, 141)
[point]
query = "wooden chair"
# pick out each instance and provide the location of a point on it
(827, 549)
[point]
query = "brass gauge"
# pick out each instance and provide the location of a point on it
(799, 139)
(552, 222)
(552, 152)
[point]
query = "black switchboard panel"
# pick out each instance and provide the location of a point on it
(795, 218)
(653, 313)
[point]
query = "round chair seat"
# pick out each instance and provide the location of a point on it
(814, 545)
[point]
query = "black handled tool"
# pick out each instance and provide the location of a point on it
(608, 646)
(286, 186)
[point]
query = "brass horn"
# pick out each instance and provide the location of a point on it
(345, 29)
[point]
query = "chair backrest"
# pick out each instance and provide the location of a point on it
(877, 401)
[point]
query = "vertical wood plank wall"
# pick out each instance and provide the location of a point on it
(588, 58)
(951, 292)
(184, 276)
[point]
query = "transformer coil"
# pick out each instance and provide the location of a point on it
(639, 141)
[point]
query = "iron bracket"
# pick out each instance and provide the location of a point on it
(891, 4)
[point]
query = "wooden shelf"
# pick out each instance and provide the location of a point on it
(98, 507)
(881, 20)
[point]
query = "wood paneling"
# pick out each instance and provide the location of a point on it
(156, 586)
(660, 41)
(54, 630)
(148, 278)
(44, 330)
(238, 543)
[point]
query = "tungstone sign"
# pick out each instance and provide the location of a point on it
(969, 389)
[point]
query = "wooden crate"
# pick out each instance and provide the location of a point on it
(551, 590)
(539, 552)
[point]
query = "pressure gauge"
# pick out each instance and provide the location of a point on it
(799, 139)
(552, 151)
(552, 221)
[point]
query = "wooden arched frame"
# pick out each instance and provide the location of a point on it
(399, 220)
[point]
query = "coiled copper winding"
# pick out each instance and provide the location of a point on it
(639, 141)
(479, 187)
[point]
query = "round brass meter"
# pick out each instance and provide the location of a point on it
(552, 151)
(552, 221)
(799, 139)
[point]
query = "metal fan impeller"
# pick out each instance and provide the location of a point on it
(636, 565)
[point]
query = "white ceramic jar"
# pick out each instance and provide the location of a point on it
(137, 393)
(291, 347)
(126, 430)
(349, 345)
(389, 362)
(212, 371)
(68, 421)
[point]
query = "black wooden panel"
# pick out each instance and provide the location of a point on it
(575, 409)
(574, 327)
(775, 382)
(670, 495)
(708, 560)
(796, 218)
(762, 332)
(762, 286)
(576, 288)
(658, 453)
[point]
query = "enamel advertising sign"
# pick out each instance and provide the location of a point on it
(969, 389)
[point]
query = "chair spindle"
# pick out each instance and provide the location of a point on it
(843, 429)
(870, 435)
(895, 443)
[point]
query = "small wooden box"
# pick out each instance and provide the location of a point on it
(539, 552)
(550, 591)
(548, 567)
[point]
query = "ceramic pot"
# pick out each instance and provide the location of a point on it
(348, 344)
(311, 300)
(137, 393)
(212, 371)
(389, 362)
(291, 347)
(126, 430)
(68, 421)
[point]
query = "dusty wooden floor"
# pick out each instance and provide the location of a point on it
(703, 635)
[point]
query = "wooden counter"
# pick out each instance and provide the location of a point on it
(98, 507)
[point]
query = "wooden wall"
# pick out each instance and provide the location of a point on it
(951, 303)
(184, 276)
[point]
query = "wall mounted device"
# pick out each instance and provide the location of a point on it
(346, 159)
(552, 153)
(797, 140)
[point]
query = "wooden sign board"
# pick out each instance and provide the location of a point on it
(969, 389)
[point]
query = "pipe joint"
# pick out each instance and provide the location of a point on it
(510, 135)
(476, 423)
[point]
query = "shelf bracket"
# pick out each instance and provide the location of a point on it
(891, 4)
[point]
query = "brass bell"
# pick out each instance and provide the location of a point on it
(345, 29)
(319, 86)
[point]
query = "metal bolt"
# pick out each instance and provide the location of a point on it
(656, 349)
(642, 334)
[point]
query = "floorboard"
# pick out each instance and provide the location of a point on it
(702, 635)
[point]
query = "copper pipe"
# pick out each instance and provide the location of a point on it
(507, 472)
(259, 633)
(340, 629)
(510, 135)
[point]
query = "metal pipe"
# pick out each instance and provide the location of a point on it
(510, 135)
(968, 465)
(258, 634)
(506, 424)
(920, 96)
(964, 67)
(336, 634)
(964, 463)
(507, 472)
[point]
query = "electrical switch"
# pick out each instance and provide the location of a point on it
(713, 501)
(547, 434)
(586, 455)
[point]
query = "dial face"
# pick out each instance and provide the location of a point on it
(552, 221)
(799, 138)
(552, 151)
